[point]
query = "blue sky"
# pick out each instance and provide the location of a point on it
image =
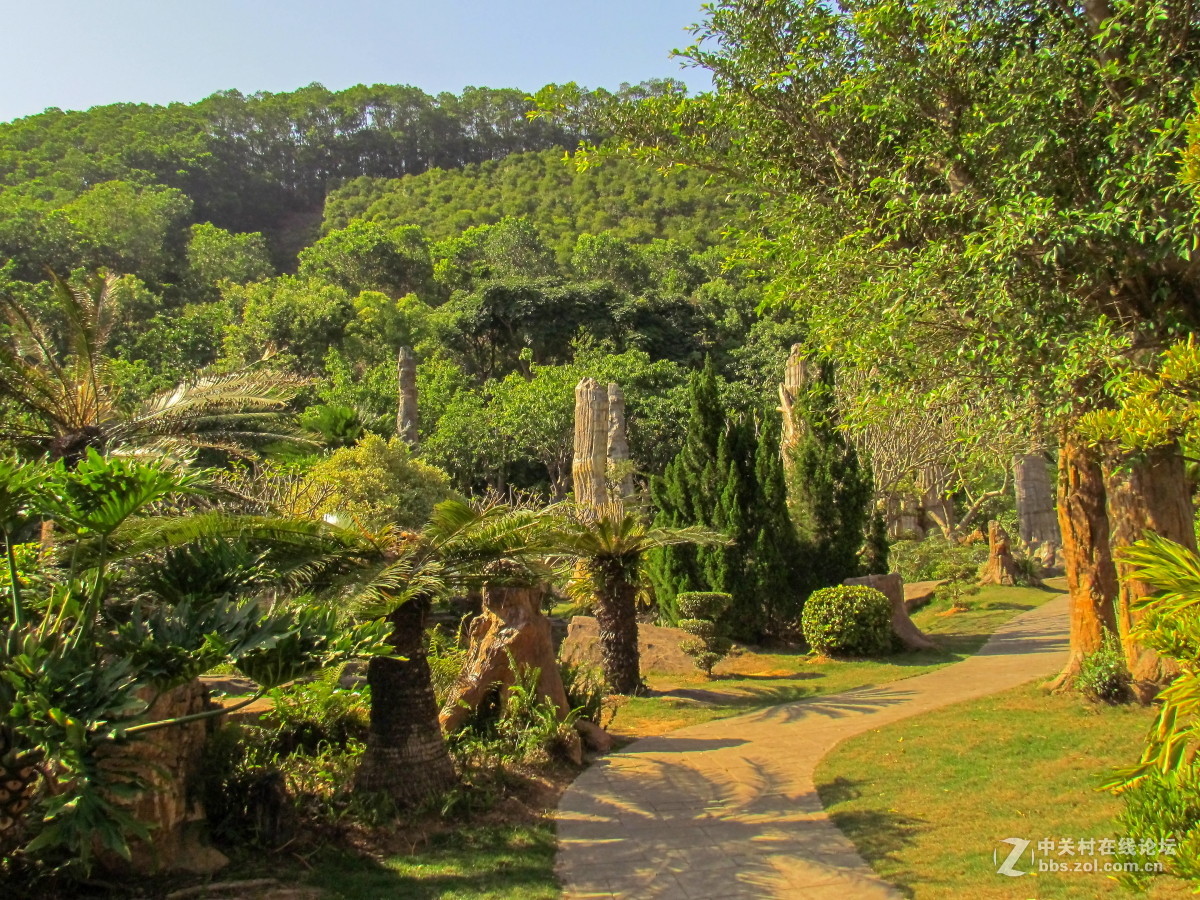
(79, 53)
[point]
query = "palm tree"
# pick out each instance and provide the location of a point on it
(65, 400)
(610, 543)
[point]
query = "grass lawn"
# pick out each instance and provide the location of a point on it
(754, 680)
(928, 800)
(471, 863)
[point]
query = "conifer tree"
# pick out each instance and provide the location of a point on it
(730, 479)
(829, 490)
(780, 566)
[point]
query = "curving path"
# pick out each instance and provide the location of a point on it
(729, 809)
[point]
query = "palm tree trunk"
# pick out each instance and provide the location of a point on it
(406, 756)
(616, 614)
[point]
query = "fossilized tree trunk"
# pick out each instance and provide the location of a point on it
(590, 462)
(406, 412)
(1148, 495)
(892, 587)
(618, 462)
(511, 629)
(1087, 557)
(1000, 568)
(1036, 513)
(797, 376)
(406, 756)
(169, 760)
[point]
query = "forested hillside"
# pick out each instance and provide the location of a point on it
(621, 198)
(453, 225)
(244, 163)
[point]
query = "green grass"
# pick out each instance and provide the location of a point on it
(756, 680)
(927, 800)
(470, 863)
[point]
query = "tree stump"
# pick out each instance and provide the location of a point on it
(511, 629)
(892, 587)
(169, 761)
(406, 412)
(1001, 568)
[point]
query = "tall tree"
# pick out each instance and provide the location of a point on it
(829, 491)
(985, 192)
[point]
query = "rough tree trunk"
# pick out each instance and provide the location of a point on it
(406, 412)
(892, 587)
(1035, 507)
(616, 616)
(591, 443)
(1087, 557)
(511, 624)
(618, 445)
(406, 756)
(938, 508)
(1001, 568)
(169, 760)
(1148, 495)
(903, 515)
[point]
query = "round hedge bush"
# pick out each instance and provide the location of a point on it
(848, 620)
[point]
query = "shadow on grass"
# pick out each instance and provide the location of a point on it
(478, 862)
(878, 834)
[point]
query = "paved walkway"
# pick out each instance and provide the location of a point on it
(728, 808)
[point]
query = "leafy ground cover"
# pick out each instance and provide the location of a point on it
(928, 800)
(755, 680)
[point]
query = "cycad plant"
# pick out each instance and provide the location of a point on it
(610, 545)
(63, 399)
(131, 604)
(1168, 623)
(464, 546)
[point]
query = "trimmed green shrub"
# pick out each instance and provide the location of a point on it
(848, 620)
(701, 611)
(936, 558)
(1103, 674)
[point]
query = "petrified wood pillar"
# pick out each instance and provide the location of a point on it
(892, 587)
(1001, 568)
(511, 629)
(406, 413)
(590, 462)
(1036, 512)
(797, 376)
(618, 445)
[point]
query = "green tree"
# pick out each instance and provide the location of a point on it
(829, 492)
(367, 256)
(215, 255)
(961, 193)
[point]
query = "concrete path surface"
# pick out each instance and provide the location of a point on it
(729, 809)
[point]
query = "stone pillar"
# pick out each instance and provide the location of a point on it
(797, 376)
(406, 413)
(1036, 512)
(618, 445)
(590, 463)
